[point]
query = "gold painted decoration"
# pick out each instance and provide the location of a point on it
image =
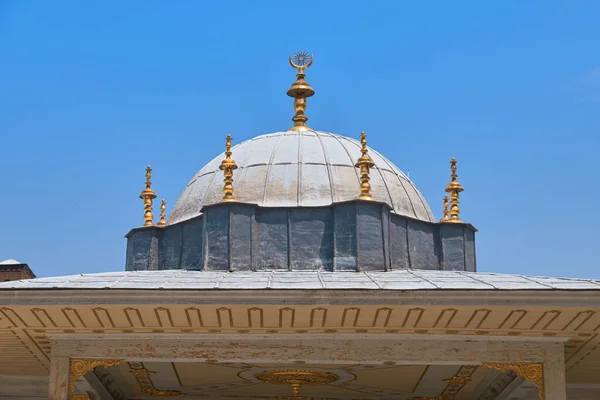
(445, 212)
(454, 384)
(534, 373)
(148, 195)
(227, 166)
(454, 188)
(142, 375)
(85, 396)
(296, 378)
(300, 89)
(364, 163)
(163, 207)
(79, 368)
(433, 398)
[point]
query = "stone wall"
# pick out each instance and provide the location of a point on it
(14, 272)
(355, 236)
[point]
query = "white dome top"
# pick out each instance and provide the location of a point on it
(300, 169)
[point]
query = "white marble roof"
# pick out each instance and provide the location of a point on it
(300, 169)
(10, 261)
(393, 280)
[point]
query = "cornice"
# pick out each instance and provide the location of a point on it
(439, 297)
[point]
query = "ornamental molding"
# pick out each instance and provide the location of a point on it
(498, 385)
(78, 368)
(534, 373)
(108, 381)
(296, 378)
(142, 376)
(454, 384)
(526, 298)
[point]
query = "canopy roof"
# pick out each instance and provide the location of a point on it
(392, 280)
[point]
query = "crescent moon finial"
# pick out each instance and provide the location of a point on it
(301, 60)
(292, 63)
(300, 89)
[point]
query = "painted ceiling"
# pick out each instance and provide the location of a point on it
(158, 380)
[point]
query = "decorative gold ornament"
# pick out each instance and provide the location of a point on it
(148, 195)
(534, 373)
(79, 368)
(455, 384)
(296, 378)
(458, 380)
(364, 163)
(227, 166)
(299, 398)
(163, 208)
(445, 218)
(142, 375)
(454, 188)
(300, 89)
(433, 398)
(85, 396)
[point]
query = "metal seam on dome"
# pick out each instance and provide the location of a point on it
(299, 171)
(269, 166)
(393, 167)
(327, 166)
(204, 195)
(241, 179)
(425, 205)
(389, 163)
(349, 157)
(423, 202)
(198, 174)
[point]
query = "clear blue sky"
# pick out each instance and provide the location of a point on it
(92, 92)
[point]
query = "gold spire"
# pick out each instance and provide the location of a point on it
(364, 163)
(300, 89)
(227, 166)
(147, 195)
(445, 218)
(163, 207)
(454, 188)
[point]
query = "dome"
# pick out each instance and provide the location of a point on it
(300, 168)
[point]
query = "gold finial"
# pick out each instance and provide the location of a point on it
(227, 166)
(147, 195)
(300, 89)
(454, 188)
(445, 218)
(163, 208)
(364, 163)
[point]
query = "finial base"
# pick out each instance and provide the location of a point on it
(300, 90)
(300, 128)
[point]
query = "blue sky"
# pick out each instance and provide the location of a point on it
(92, 92)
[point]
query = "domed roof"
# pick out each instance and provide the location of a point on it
(303, 168)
